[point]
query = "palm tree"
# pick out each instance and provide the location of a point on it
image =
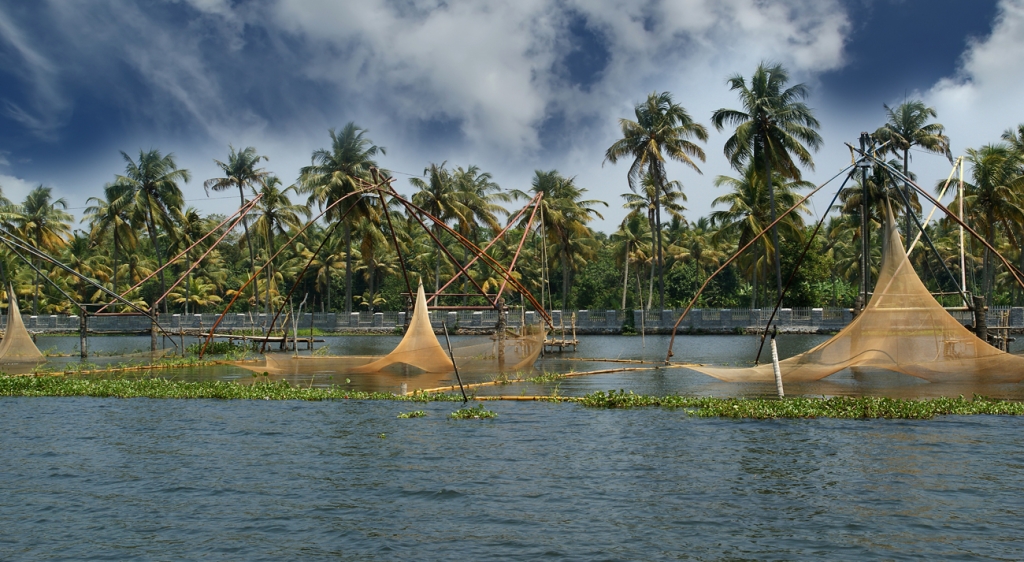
(699, 246)
(907, 126)
(190, 227)
(565, 216)
(439, 196)
(149, 191)
(993, 197)
(773, 126)
(240, 171)
(104, 220)
(275, 213)
(1015, 138)
(633, 234)
(661, 131)
(333, 174)
(44, 222)
(749, 212)
(480, 197)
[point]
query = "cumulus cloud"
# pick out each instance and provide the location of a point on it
(496, 77)
(984, 98)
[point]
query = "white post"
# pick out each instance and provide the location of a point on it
(775, 367)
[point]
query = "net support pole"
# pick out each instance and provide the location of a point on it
(776, 368)
(152, 332)
(83, 341)
(980, 318)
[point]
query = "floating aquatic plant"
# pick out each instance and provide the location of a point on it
(475, 413)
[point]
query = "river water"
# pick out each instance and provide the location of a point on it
(709, 349)
(102, 479)
(110, 479)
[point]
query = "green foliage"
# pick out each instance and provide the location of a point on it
(838, 407)
(475, 413)
(410, 415)
(222, 390)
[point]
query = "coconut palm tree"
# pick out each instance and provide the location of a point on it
(149, 193)
(44, 222)
(993, 197)
(240, 171)
(907, 126)
(749, 211)
(773, 127)
(565, 216)
(275, 214)
(661, 132)
(439, 196)
(105, 220)
(699, 246)
(633, 234)
(334, 173)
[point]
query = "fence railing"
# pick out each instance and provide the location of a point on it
(586, 321)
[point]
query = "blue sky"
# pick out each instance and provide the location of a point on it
(508, 86)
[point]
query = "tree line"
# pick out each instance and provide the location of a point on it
(656, 258)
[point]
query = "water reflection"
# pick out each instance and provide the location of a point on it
(714, 349)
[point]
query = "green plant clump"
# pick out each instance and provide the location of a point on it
(841, 407)
(410, 415)
(223, 390)
(475, 413)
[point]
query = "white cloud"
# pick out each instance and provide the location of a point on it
(984, 98)
(49, 108)
(14, 188)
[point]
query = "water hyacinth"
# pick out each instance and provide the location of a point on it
(866, 407)
(753, 408)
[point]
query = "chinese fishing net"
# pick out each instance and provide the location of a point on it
(17, 345)
(421, 352)
(902, 329)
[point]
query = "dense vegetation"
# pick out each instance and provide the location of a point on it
(657, 257)
(699, 406)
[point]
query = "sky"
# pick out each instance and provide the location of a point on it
(509, 86)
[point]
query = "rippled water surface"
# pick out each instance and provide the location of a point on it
(112, 479)
(90, 479)
(647, 379)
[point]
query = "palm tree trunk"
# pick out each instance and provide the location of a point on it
(35, 294)
(565, 278)
(348, 269)
(151, 227)
(270, 269)
(989, 270)
(753, 292)
(248, 241)
(650, 287)
(906, 190)
(625, 278)
(775, 228)
(188, 282)
(115, 259)
(659, 261)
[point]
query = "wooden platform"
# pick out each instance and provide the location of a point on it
(560, 344)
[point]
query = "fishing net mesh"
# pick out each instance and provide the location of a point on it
(17, 344)
(421, 352)
(902, 329)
